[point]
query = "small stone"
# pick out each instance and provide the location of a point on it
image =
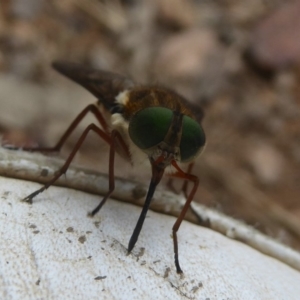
(187, 54)
(267, 163)
(275, 41)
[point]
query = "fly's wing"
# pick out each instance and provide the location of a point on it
(102, 84)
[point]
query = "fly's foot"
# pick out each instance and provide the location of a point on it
(29, 198)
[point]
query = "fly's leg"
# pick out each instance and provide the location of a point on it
(64, 168)
(184, 187)
(115, 137)
(190, 196)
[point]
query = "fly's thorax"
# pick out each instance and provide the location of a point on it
(140, 97)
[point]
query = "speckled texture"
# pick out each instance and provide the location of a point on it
(41, 258)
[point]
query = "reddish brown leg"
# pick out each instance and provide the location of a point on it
(90, 108)
(186, 182)
(65, 167)
(184, 187)
(115, 135)
(195, 180)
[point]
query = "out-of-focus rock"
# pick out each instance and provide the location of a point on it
(267, 163)
(275, 41)
(192, 62)
(21, 102)
(177, 13)
(187, 54)
(27, 9)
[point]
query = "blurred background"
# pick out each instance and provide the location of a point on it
(239, 60)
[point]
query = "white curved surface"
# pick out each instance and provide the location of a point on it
(52, 250)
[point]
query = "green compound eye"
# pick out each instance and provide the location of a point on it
(149, 126)
(192, 139)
